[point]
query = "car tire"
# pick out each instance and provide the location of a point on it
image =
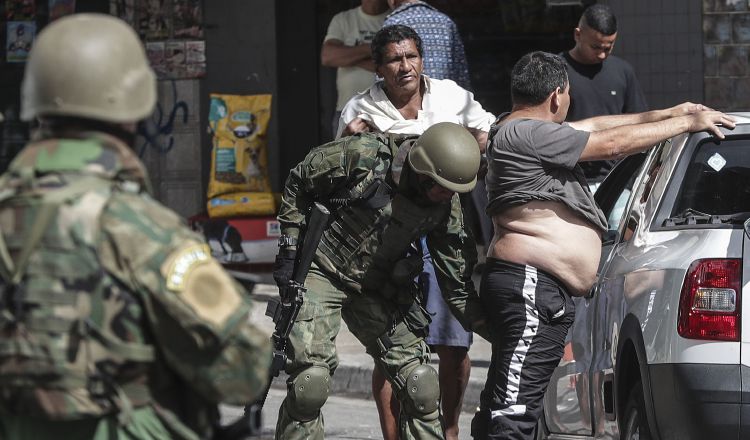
(636, 422)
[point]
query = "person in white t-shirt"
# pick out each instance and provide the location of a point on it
(347, 46)
(408, 102)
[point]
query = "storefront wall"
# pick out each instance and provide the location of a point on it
(663, 40)
(682, 50)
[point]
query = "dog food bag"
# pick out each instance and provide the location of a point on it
(241, 204)
(239, 160)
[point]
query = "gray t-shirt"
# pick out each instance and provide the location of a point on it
(531, 159)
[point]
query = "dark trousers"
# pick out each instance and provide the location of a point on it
(529, 313)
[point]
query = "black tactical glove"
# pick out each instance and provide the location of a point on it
(283, 266)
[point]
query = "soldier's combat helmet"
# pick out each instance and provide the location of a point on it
(449, 154)
(89, 66)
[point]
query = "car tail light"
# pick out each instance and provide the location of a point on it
(710, 300)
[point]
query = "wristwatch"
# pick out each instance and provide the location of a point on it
(287, 241)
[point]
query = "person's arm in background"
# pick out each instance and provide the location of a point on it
(335, 53)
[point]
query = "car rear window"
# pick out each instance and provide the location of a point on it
(716, 181)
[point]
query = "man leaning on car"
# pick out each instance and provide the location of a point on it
(548, 229)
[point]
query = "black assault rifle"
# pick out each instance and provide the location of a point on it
(284, 313)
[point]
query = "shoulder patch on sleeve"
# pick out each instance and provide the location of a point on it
(201, 283)
(177, 267)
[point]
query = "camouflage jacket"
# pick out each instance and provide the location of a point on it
(340, 174)
(117, 304)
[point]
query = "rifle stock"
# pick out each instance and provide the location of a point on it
(284, 313)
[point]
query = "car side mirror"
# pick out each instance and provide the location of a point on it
(747, 227)
(609, 237)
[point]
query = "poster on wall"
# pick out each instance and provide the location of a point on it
(20, 10)
(171, 31)
(195, 59)
(60, 8)
(155, 54)
(174, 55)
(187, 19)
(123, 9)
(19, 38)
(154, 19)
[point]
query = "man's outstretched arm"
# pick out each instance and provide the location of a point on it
(621, 141)
(598, 123)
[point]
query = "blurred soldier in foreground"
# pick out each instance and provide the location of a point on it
(115, 322)
(383, 195)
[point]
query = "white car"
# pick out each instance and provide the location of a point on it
(659, 349)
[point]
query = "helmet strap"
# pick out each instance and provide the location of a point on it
(426, 184)
(413, 187)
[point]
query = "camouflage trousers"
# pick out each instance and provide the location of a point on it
(313, 348)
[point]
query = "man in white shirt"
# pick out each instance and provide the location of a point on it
(408, 102)
(347, 46)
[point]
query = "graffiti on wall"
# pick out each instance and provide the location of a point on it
(157, 130)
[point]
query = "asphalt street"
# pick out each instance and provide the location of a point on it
(345, 418)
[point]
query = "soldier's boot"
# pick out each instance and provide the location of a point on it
(299, 415)
(418, 390)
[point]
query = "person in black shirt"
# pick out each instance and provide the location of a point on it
(600, 83)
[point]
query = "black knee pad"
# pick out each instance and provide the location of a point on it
(308, 392)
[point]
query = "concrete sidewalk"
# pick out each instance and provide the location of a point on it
(353, 375)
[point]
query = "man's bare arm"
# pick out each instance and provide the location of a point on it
(599, 123)
(336, 54)
(357, 125)
(618, 142)
(480, 136)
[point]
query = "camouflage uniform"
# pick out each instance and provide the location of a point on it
(115, 322)
(367, 283)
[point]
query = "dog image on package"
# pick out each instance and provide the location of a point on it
(239, 160)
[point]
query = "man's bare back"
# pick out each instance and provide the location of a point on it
(550, 237)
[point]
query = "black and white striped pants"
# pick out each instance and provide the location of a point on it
(529, 313)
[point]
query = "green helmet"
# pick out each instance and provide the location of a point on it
(89, 66)
(449, 154)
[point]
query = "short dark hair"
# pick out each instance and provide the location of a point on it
(535, 76)
(600, 18)
(393, 34)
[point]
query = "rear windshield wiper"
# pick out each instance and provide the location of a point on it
(692, 216)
